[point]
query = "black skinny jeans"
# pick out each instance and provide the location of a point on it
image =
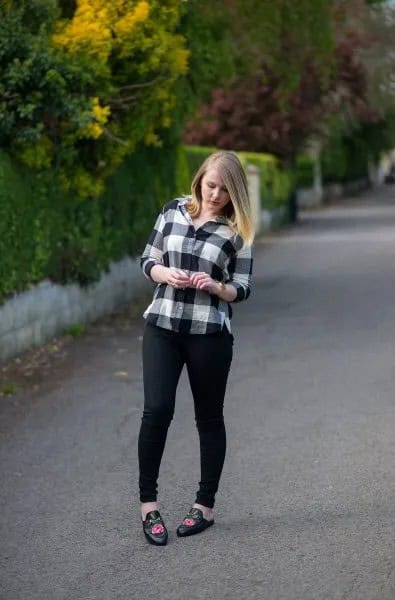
(208, 358)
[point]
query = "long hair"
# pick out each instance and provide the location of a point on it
(238, 210)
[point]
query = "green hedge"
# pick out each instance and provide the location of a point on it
(334, 162)
(344, 158)
(304, 171)
(28, 221)
(46, 233)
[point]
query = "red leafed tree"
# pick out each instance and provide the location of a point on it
(254, 115)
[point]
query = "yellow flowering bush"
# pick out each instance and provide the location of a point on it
(98, 117)
(135, 54)
(83, 82)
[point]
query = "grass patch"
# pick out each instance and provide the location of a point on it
(8, 388)
(76, 330)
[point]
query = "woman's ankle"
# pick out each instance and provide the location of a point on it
(147, 507)
(208, 513)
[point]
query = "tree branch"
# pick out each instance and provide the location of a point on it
(137, 86)
(113, 137)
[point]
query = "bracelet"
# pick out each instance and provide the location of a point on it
(222, 286)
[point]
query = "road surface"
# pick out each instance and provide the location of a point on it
(306, 509)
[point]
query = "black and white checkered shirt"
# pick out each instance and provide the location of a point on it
(213, 248)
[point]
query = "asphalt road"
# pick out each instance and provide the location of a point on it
(306, 509)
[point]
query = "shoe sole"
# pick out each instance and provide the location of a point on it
(162, 542)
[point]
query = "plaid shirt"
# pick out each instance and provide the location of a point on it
(213, 248)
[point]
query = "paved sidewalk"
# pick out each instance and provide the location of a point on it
(306, 509)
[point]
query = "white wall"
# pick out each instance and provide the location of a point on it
(33, 317)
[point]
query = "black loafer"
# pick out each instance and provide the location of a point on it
(154, 528)
(193, 522)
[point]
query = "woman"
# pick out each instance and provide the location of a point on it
(199, 254)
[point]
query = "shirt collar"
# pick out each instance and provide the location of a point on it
(183, 207)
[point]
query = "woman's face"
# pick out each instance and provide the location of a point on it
(215, 196)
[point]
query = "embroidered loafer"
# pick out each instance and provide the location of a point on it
(154, 528)
(193, 522)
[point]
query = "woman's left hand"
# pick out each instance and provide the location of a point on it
(202, 281)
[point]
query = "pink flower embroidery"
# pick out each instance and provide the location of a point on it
(188, 522)
(157, 529)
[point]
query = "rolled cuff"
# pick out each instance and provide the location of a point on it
(242, 293)
(146, 266)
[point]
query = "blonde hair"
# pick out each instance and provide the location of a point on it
(238, 210)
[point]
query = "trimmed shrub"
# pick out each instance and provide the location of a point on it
(344, 158)
(334, 160)
(304, 171)
(46, 233)
(28, 220)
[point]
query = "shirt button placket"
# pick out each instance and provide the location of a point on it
(191, 245)
(194, 240)
(179, 310)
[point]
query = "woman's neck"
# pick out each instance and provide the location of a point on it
(207, 215)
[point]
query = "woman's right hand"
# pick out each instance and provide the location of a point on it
(177, 278)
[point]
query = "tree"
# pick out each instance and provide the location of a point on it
(366, 112)
(270, 112)
(38, 88)
(283, 35)
(250, 115)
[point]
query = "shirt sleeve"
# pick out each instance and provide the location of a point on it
(240, 271)
(153, 251)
